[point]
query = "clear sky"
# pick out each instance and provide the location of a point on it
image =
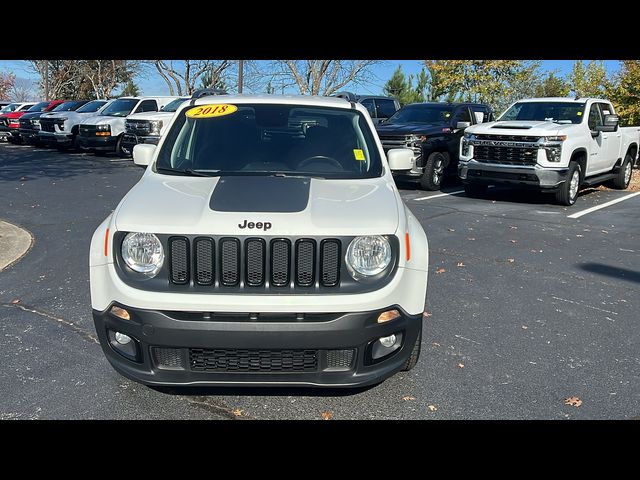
(154, 85)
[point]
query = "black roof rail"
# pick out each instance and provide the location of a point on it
(203, 92)
(346, 95)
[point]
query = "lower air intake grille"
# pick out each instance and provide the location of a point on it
(234, 360)
(340, 359)
(168, 358)
(179, 251)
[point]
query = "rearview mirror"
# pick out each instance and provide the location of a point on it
(400, 158)
(463, 124)
(143, 153)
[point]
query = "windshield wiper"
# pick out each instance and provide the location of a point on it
(186, 172)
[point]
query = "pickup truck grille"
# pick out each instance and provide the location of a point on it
(48, 124)
(87, 130)
(138, 127)
(254, 262)
(26, 125)
(508, 138)
(505, 155)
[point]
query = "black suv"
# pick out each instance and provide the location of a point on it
(380, 108)
(433, 132)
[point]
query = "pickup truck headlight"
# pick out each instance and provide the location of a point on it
(155, 126)
(103, 127)
(143, 253)
(35, 123)
(367, 256)
(553, 147)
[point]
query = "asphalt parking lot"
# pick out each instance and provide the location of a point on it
(527, 307)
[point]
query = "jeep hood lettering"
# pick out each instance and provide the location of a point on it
(184, 205)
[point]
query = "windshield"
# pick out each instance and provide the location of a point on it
(91, 107)
(120, 108)
(69, 106)
(9, 108)
(174, 105)
(39, 107)
(422, 113)
(558, 112)
(259, 139)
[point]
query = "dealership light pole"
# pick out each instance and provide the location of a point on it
(46, 80)
(240, 75)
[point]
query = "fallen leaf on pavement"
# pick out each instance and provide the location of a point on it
(15, 300)
(408, 398)
(513, 227)
(471, 238)
(440, 270)
(451, 229)
(236, 412)
(511, 260)
(435, 344)
(461, 365)
(326, 415)
(524, 327)
(513, 241)
(432, 408)
(461, 264)
(426, 314)
(573, 401)
(604, 231)
(580, 236)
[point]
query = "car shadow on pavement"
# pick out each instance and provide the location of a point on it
(263, 391)
(618, 273)
(25, 163)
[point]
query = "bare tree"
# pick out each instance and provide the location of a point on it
(323, 77)
(62, 76)
(105, 75)
(22, 90)
(181, 76)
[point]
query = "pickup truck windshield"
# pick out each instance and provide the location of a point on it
(120, 108)
(39, 107)
(91, 107)
(174, 105)
(68, 106)
(265, 139)
(9, 108)
(558, 112)
(422, 113)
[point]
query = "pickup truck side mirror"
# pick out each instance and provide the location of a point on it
(400, 158)
(463, 124)
(143, 153)
(610, 124)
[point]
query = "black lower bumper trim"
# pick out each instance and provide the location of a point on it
(253, 353)
(98, 143)
(539, 178)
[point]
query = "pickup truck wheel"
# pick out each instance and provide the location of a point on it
(122, 152)
(623, 178)
(475, 190)
(568, 192)
(433, 171)
(415, 354)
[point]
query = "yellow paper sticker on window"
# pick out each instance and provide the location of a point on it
(208, 111)
(579, 113)
(358, 154)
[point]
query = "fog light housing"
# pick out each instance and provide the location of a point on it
(388, 316)
(120, 313)
(125, 345)
(384, 346)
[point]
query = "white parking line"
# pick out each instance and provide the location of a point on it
(458, 192)
(604, 205)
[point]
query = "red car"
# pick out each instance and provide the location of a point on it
(12, 119)
(11, 108)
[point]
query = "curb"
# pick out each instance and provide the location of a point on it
(15, 243)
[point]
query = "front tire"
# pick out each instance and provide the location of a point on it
(415, 354)
(623, 178)
(433, 171)
(568, 192)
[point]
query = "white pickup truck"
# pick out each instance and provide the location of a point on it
(552, 144)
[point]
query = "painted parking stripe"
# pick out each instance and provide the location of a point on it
(458, 192)
(604, 205)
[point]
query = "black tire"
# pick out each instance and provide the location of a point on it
(119, 151)
(567, 194)
(433, 171)
(475, 190)
(623, 178)
(415, 354)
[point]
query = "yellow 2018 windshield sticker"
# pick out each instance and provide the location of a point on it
(208, 111)
(358, 154)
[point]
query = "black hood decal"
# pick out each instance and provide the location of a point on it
(260, 194)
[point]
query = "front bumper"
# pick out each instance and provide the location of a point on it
(29, 136)
(98, 143)
(174, 330)
(51, 138)
(130, 140)
(473, 171)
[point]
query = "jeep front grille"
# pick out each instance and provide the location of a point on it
(240, 360)
(254, 262)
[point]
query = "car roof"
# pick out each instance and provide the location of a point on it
(453, 104)
(562, 99)
(310, 100)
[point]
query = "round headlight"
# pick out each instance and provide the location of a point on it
(143, 252)
(368, 255)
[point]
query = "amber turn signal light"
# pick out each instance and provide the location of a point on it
(120, 313)
(388, 315)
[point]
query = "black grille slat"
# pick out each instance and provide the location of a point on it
(240, 360)
(204, 261)
(280, 262)
(505, 155)
(47, 125)
(305, 263)
(255, 261)
(179, 263)
(330, 263)
(229, 262)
